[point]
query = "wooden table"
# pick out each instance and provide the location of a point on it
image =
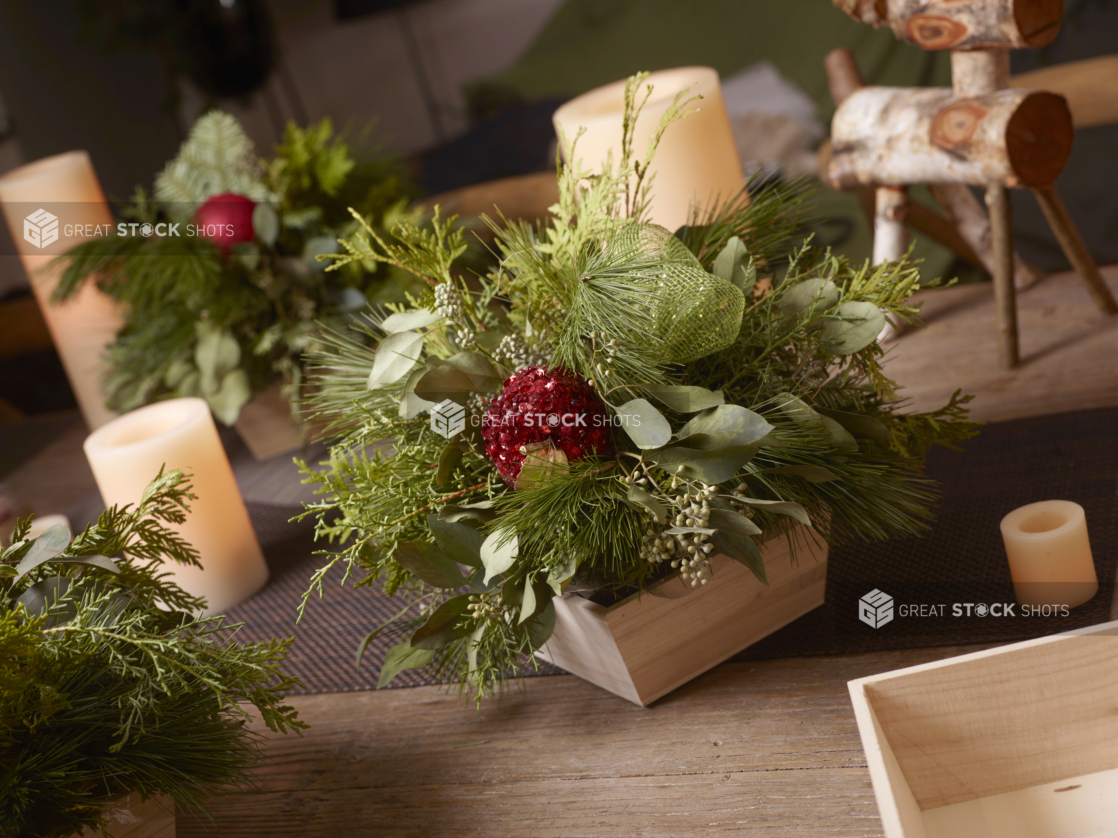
(759, 749)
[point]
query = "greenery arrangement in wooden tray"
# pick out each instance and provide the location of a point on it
(614, 403)
(217, 269)
(108, 683)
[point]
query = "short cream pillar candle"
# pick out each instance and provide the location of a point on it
(126, 455)
(50, 206)
(696, 164)
(1049, 554)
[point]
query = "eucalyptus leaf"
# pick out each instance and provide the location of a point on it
(854, 326)
(734, 539)
(482, 511)
(861, 426)
(542, 626)
(443, 626)
(402, 657)
(265, 223)
(445, 382)
(542, 462)
(234, 393)
(733, 522)
(371, 636)
(818, 295)
(780, 507)
(405, 321)
(430, 564)
(412, 405)
(191, 385)
(802, 413)
(482, 374)
(498, 552)
(644, 424)
(449, 460)
(43, 599)
(812, 474)
(395, 356)
(557, 577)
(44, 548)
(528, 603)
(319, 246)
(458, 540)
(735, 265)
(215, 354)
(715, 466)
(649, 502)
(684, 399)
(725, 426)
(179, 369)
(840, 437)
(472, 646)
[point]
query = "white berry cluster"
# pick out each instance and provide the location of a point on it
(484, 607)
(448, 304)
(691, 551)
(514, 352)
(478, 403)
(738, 498)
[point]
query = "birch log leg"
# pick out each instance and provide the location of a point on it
(890, 239)
(1075, 248)
(1001, 226)
(973, 224)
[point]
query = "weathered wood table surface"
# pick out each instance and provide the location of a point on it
(760, 749)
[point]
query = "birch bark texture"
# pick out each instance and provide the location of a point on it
(963, 24)
(927, 135)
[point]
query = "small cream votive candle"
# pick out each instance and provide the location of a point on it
(50, 206)
(126, 455)
(696, 164)
(1049, 554)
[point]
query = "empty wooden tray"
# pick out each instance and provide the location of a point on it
(1014, 742)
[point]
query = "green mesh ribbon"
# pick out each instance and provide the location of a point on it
(694, 313)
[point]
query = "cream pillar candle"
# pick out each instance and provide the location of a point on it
(696, 164)
(1049, 554)
(50, 206)
(126, 455)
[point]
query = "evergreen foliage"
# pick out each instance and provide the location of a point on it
(109, 684)
(741, 367)
(223, 326)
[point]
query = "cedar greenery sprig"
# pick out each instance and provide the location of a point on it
(743, 410)
(105, 691)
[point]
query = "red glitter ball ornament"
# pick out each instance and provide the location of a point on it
(540, 405)
(226, 219)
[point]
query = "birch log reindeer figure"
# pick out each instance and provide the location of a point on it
(980, 133)
(966, 228)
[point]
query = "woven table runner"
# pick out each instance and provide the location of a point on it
(1070, 456)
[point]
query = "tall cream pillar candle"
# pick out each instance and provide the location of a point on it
(126, 455)
(696, 164)
(50, 206)
(1049, 554)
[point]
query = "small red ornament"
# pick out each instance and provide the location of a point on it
(225, 219)
(542, 405)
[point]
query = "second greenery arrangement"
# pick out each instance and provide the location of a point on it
(613, 403)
